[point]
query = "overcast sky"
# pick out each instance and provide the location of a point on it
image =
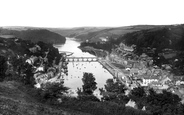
(76, 13)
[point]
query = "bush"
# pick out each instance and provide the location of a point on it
(53, 91)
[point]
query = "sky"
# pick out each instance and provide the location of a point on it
(99, 13)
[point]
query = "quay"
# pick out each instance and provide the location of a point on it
(114, 71)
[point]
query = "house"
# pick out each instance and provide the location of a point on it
(169, 55)
(103, 39)
(155, 83)
(156, 72)
(142, 71)
(131, 104)
(31, 60)
(165, 80)
(130, 63)
(179, 82)
(126, 48)
(35, 49)
(146, 80)
(137, 65)
(134, 71)
(40, 69)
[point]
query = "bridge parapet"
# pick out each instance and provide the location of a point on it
(81, 59)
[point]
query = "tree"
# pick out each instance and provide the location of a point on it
(165, 103)
(89, 83)
(88, 87)
(53, 91)
(139, 96)
(115, 87)
(3, 67)
(114, 91)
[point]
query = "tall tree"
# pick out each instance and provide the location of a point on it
(89, 83)
(114, 91)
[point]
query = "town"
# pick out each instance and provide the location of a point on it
(135, 71)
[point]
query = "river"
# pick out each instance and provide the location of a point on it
(76, 69)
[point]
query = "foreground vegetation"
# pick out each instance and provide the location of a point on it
(19, 96)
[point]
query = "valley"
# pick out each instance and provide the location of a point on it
(133, 65)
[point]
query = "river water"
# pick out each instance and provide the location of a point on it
(76, 69)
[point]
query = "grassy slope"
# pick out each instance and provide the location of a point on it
(14, 101)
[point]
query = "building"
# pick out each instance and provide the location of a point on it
(146, 80)
(126, 48)
(103, 39)
(169, 55)
(134, 71)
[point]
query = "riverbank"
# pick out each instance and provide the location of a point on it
(76, 69)
(96, 52)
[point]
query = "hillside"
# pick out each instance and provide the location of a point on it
(163, 43)
(171, 37)
(111, 33)
(92, 34)
(19, 60)
(14, 100)
(33, 34)
(74, 32)
(95, 34)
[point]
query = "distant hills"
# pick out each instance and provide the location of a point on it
(95, 34)
(76, 32)
(155, 36)
(33, 34)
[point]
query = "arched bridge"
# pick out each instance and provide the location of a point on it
(82, 59)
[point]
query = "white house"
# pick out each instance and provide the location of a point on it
(131, 104)
(179, 82)
(147, 81)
